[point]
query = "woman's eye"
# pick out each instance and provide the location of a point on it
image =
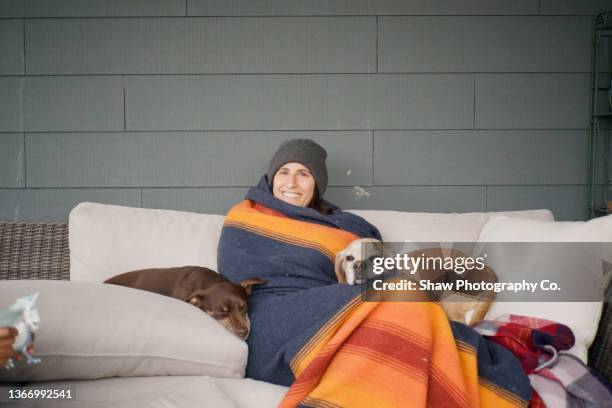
(350, 258)
(221, 310)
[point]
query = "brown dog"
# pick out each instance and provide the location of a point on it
(225, 301)
(465, 307)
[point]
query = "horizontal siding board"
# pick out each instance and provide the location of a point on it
(11, 8)
(201, 200)
(11, 104)
(532, 101)
(485, 44)
(410, 198)
(568, 203)
(480, 157)
(181, 159)
(56, 204)
(93, 103)
(11, 47)
(201, 45)
(358, 7)
(103, 8)
(414, 198)
(296, 102)
(575, 7)
(12, 160)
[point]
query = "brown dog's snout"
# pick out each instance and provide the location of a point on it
(226, 302)
(238, 323)
(235, 320)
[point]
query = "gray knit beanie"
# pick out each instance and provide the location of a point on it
(306, 152)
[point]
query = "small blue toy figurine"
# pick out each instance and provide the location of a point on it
(24, 317)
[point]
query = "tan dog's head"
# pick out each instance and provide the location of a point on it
(354, 261)
(226, 302)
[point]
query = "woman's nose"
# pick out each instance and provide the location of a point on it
(292, 181)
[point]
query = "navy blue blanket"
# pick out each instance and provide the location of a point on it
(293, 248)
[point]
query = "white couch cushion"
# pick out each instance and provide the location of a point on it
(106, 240)
(94, 330)
(158, 392)
(581, 317)
(396, 226)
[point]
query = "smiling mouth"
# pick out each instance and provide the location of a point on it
(291, 195)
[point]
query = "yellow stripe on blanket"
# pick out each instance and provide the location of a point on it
(327, 240)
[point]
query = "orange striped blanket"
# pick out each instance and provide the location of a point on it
(402, 354)
(318, 335)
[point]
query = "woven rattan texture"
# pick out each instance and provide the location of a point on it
(600, 353)
(34, 250)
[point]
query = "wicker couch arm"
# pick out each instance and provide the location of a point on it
(35, 250)
(600, 353)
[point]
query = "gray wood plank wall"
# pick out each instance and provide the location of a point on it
(439, 106)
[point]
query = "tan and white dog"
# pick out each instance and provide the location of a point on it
(355, 261)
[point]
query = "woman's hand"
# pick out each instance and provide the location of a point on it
(7, 337)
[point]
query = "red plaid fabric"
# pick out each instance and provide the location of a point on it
(527, 337)
(555, 378)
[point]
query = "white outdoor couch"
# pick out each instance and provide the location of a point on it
(106, 240)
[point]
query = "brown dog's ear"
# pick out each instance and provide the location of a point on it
(195, 299)
(247, 284)
(340, 272)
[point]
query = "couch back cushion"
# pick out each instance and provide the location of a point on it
(106, 240)
(583, 269)
(397, 226)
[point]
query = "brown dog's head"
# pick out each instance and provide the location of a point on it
(227, 303)
(354, 261)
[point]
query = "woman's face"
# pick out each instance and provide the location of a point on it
(294, 184)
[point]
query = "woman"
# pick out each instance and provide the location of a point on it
(299, 278)
(306, 325)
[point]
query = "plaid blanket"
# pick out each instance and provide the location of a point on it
(558, 379)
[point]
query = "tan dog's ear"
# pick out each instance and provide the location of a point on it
(340, 272)
(248, 284)
(380, 248)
